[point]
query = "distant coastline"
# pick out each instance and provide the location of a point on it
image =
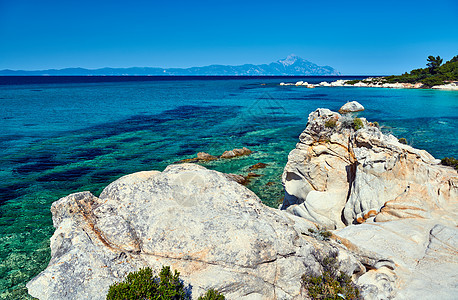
(292, 65)
(56, 79)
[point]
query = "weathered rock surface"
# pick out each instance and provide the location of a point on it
(214, 231)
(352, 106)
(338, 176)
(424, 251)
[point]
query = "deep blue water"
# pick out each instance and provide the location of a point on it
(68, 134)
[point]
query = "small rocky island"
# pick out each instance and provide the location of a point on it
(391, 208)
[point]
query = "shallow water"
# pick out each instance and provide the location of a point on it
(62, 138)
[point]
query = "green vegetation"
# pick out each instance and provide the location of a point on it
(331, 123)
(320, 233)
(357, 124)
(434, 74)
(376, 124)
(144, 285)
(403, 141)
(212, 295)
(352, 81)
(331, 284)
(450, 161)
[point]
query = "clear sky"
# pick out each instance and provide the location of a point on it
(355, 37)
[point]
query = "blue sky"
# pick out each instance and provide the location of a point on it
(355, 37)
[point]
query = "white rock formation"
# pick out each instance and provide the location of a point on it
(339, 82)
(396, 85)
(450, 86)
(338, 176)
(214, 231)
(351, 107)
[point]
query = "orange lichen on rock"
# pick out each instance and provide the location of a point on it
(371, 213)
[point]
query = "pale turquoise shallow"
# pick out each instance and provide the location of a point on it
(62, 138)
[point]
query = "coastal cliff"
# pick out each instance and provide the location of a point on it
(393, 209)
(381, 195)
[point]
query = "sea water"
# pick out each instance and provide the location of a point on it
(66, 135)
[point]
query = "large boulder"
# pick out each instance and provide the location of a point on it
(214, 231)
(352, 106)
(381, 195)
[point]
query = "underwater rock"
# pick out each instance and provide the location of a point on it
(203, 156)
(258, 166)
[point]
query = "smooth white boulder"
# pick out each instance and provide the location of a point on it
(214, 231)
(350, 107)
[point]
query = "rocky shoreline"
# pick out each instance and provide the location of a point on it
(392, 210)
(373, 82)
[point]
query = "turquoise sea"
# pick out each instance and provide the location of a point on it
(65, 136)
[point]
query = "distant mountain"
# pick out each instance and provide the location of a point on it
(292, 65)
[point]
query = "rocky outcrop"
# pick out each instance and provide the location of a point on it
(452, 86)
(204, 157)
(338, 176)
(350, 107)
(215, 232)
(405, 201)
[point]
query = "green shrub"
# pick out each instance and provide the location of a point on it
(376, 124)
(403, 141)
(144, 285)
(320, 233)
(450, 161)
(331, 123)
(331, 284)
(352, 81)
(212, 295)
(357, 124)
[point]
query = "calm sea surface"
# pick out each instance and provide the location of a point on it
(72, 134)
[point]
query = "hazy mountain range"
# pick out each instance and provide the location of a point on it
(292, 65)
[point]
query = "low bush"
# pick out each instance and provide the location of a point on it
(403, 141)
(450, 161)
(212, 295)
(144, 285)
(357, 124)
(331, 284)
(331, 123)
(320, 233)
